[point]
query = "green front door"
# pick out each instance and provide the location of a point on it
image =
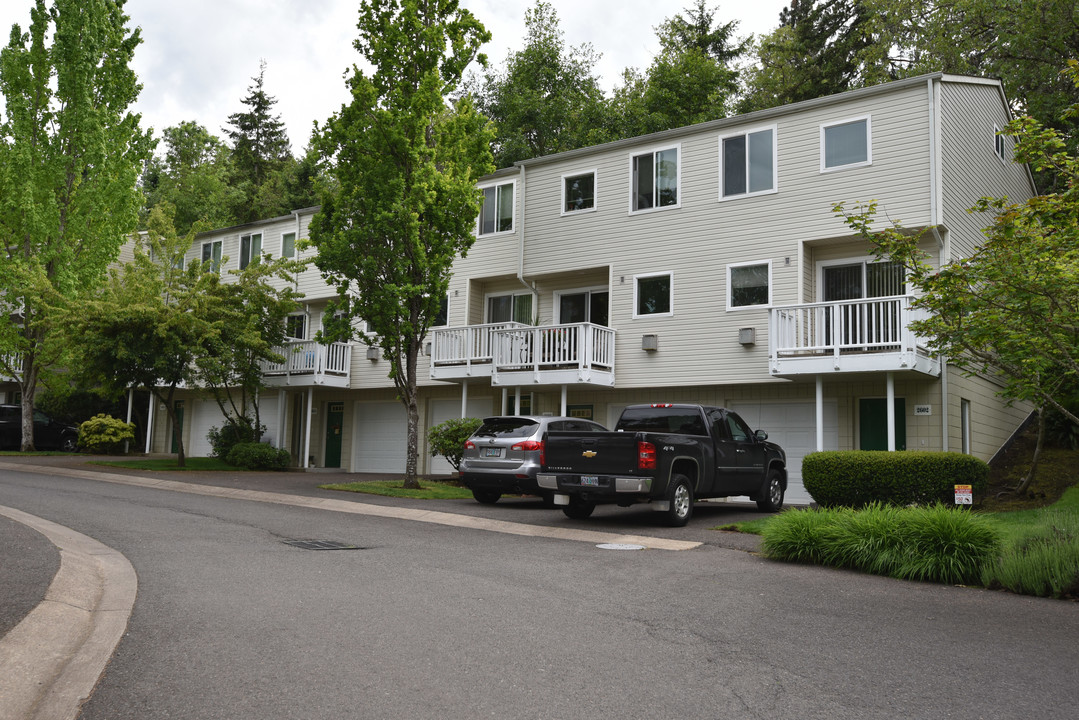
(873, 424)
(335, 416)
(178, 428)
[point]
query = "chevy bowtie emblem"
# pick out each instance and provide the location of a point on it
(589, 453)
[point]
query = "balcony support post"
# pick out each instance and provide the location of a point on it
(890, 412)
(307, 429)
(820, 413)
(150, 422)
(563, 400)
(517, 400)
(464, 398)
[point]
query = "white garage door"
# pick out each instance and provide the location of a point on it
(380, 437)
(793, 426)
(443, 409)
(205, 414)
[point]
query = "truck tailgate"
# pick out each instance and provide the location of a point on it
(591, 453)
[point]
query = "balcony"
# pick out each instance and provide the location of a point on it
(310, 363)
(512, 354)
(850, 336)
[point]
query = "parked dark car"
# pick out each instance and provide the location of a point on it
(503, 456)
(49, 434)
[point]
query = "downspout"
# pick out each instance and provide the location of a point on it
(521, 234)
(150, 422)
(935, 219)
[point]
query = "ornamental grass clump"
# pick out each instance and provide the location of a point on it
(1042, 558)
(936, 543)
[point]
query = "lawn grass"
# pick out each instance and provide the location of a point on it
(429, 489)
(192, 463)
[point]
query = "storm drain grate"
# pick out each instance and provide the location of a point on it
(321, 545)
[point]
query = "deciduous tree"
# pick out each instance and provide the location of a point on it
(70, 156)
(404, 165)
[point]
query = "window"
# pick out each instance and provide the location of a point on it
(250, 249)
(497, 213)
(748, 164)
(211, 253)
(999, 144)
(578, 192)
(442, 319)
(749, 285)
(654, 180)
(584, 306)
(652, 295)
(288, 245)
(964, 414)
(296, 327)
(846, 144)
(510, 308)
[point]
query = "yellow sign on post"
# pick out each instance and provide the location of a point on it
(964, 494)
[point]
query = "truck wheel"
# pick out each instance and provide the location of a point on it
(69, 443)
(578, 509)
(487, 497)
(771, 495)
(680, 497)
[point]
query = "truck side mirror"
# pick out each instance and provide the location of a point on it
(762, 435)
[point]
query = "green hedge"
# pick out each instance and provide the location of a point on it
(855, 478)
(258, 456)
(105, 435)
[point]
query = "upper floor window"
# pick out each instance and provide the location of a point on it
(578, 192)
(748, 163)
(250, 249)
(296, 327)
(749, 284)
(211, 253)
(846, 144)
(288, 245)
(443, 317)
(999, 144)
(510, 308)
(654, 182)
(496, 215)
(652, 294)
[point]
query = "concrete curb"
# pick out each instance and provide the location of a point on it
(51, 661)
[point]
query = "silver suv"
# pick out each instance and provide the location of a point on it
(504, 455)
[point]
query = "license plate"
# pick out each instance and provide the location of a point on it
(492, 452)
(592, 480)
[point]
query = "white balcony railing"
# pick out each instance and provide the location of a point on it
(311, 362)
(849, 335)
(507, 352)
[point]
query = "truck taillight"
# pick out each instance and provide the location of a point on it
(469, 445)
(646, 455)
(532, 445)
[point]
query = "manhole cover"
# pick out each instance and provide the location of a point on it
(619, 546)
(321, 545)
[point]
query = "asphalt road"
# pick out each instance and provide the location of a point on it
(431, 621)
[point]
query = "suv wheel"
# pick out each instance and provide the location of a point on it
(69, 443)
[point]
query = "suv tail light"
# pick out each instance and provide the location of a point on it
(646, 455)
(469, 445)
(532, 445)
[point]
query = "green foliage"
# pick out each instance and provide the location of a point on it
(234, 431)
(448, 438)
(70, 154)
(258, 456)
(403, 166)
(1042, 559)
(1060, 430)
(105, 435)
(935, 543)
(393, 488)
(856, 478)
(1011, 310)
(546, 99)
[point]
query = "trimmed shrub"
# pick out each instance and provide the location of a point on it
(258, 456)
(448, 438)
(235, 430)
(105, 435)
(856, 478)
(937, 543)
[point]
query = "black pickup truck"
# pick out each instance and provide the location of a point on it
(667, 455)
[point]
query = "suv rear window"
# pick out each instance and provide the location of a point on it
(661, 419)
(9, 413)
(507, 427)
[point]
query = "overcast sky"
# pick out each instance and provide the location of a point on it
(197, 57)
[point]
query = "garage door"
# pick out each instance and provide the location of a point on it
(380, 437)
(793, 426)
(443, 409)
(205, 414)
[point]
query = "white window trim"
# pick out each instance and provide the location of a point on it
(220, 261)
(868, 143)
(576, 291)
(653, 150)
(771, 285)
(254, 257)
(594, 172)
(999, 145)
(281, 244)
(487, 303)
(859, 259)
(636, 285)
(775, 163)
(305, 324)
(513, 211)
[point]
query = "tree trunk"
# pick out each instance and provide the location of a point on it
(412, 481)
(177, 431)
(1024, 485)
(28, 388)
